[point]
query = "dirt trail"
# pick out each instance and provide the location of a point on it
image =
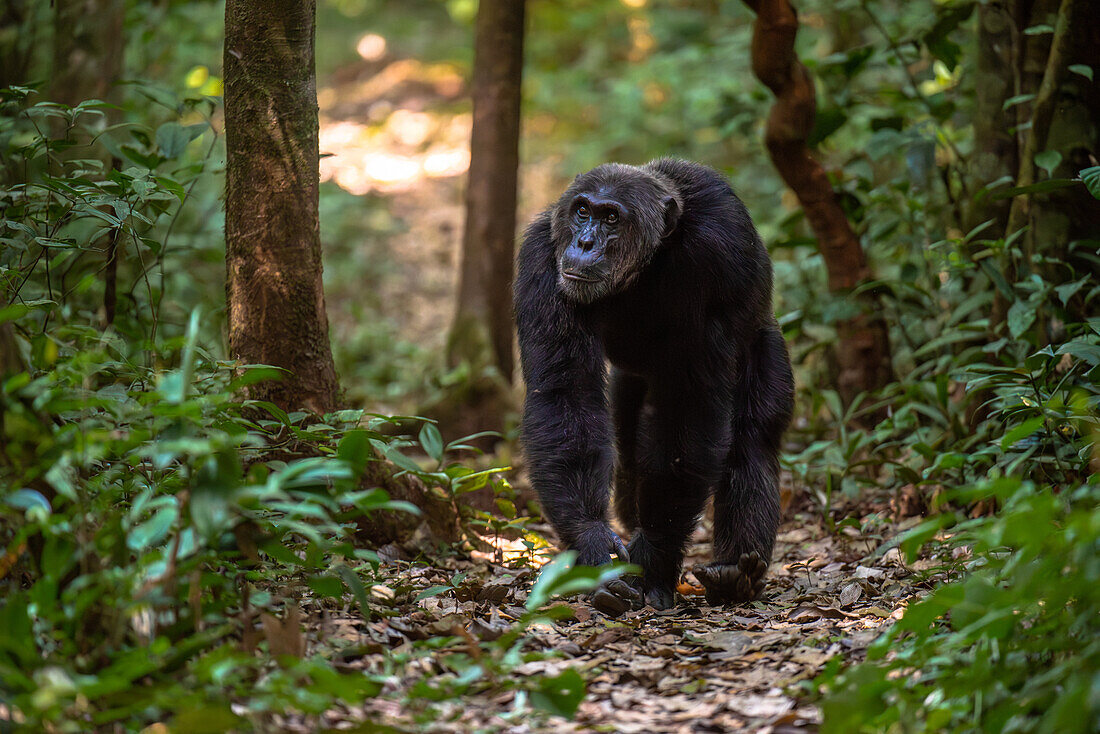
(694, 668)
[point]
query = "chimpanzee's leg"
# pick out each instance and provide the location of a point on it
(627, 395)
(680, 460)
(746, 501)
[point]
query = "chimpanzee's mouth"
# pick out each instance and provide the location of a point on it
(573, 275)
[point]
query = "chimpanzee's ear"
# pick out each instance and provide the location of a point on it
(672, 214)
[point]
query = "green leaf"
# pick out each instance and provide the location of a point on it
(506, 507)
(1020, 318)
(432, 591)
(827, 122)
(1022, 431)
(1091, 177)
(355, 449)
(560, 695)
(432, 441)
(1041, 187)
(1018, 99)
(1048, 160)
(401, 460)
(172, 138)
(327, 586)
(212, 488)
(1082, 69)
(207, 719)
(1039, 29)
(1087, 351)
(154, 530)
(353, 582)
(561, 578)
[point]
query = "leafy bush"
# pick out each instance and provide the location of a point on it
(1013, 646)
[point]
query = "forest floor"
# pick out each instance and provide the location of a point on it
(693, 668)
(395, 127)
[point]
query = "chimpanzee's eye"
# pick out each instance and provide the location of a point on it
(582, 212)
(612, 218)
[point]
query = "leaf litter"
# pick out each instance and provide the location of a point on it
(693, 668)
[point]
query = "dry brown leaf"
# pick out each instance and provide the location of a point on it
(850, 594)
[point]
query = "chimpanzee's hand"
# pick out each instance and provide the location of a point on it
(733, 582)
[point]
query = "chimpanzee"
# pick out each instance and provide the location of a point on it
(658, 270)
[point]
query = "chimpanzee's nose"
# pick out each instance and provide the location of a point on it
(586, 241)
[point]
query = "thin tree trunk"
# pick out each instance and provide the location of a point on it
(18, 37)
(994, 142)
(87, 49)
(1041, 117)
(273, 247)
(863, 347)
(482, 330)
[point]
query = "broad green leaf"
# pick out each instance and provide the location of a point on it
(1022, 431)
(154, 530)
(1091, 177)
(560, 695)
(355, 449)
(327, 586)
(1082, 349)
(172, 138)
(432, 591)
(1020, 318)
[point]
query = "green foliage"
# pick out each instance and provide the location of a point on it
(140, 536)
(1012, 646)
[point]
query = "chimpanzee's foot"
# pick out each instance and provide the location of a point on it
(729, 582)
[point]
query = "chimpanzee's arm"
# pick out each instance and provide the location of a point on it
(567, 434)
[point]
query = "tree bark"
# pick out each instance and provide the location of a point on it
(275, 299)
(482, 330)
(863, 347)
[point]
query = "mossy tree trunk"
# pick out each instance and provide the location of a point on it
(275, 300)
(481, 335)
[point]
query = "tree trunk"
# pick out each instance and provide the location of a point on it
(18, 38)
(481, 335)
(1064, 117)
(273, 249)
(863, 347)
(994, 142)
(87, 49)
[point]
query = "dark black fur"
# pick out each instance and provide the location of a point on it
(677, 296)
